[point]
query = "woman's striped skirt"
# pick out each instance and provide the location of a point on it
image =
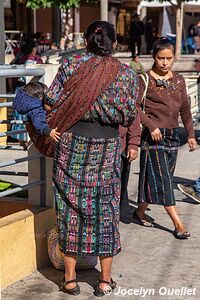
(157, 165)
(86, 178)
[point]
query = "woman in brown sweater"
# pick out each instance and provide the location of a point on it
(166, 97)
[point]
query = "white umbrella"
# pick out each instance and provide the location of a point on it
(166, 26)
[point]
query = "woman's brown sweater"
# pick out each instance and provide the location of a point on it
(163, 104)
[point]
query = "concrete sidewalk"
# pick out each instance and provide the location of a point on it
(152, 261)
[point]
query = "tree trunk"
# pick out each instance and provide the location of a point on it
(104, 10)
(179, 28)
(77, 19)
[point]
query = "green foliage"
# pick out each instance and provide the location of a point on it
(63, 4)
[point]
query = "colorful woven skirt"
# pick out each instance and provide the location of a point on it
(86, 177)
(19, 136)
(157, 165)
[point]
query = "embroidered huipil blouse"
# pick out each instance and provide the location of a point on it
(163, 104)
(116, 104)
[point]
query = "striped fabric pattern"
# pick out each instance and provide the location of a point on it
(86, 176)
(157, 165)
(19, 136)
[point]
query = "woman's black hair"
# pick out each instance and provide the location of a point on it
(28, 46)
(162, 44)
(100, 36)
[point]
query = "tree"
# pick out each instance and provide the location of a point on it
(179, 26)
(63, 4)
(179, 7)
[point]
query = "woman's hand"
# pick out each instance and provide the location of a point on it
(132, 154)
(192, 144)
(156, 135)
(47, 107)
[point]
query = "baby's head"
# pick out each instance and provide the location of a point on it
(36, 89)
(135, 58)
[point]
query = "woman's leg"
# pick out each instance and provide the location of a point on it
(124, 203)
(171, 210)
(70, 273)
(106, 264)
(141, 210)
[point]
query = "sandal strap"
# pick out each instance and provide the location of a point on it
(104, 281)
(185, 233)
(107, 282)
(69, 281)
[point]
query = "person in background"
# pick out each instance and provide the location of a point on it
(54, 46)
(191, 29)
(27, 53)
(166, 97)
(53, 50)
(191, 190)
(148, 29)
(130, 141)
(136, 31)
(30, 52)
(136, 65)
(197, 36)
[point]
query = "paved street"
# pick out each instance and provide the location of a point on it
(152, 260)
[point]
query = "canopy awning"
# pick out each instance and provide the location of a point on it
(190, 6)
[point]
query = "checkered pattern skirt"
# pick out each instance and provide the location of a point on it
(86, 177)
(157, 165)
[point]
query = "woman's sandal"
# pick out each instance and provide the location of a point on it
(107, 290)
(144, 222)
(181, 235)
(74, 291)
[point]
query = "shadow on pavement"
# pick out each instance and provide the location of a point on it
(160, 227)
(89, 276)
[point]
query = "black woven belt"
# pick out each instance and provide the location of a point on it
(95, 129)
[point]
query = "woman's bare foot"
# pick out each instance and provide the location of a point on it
(105, 286)
(68, 278)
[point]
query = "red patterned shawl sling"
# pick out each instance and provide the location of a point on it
(78, 95)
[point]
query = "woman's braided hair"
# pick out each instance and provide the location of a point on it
(100, 36)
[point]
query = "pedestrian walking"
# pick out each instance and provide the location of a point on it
(149, 30)
(90, 96)
(166, 97)
(191, 190)
(136, 31)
